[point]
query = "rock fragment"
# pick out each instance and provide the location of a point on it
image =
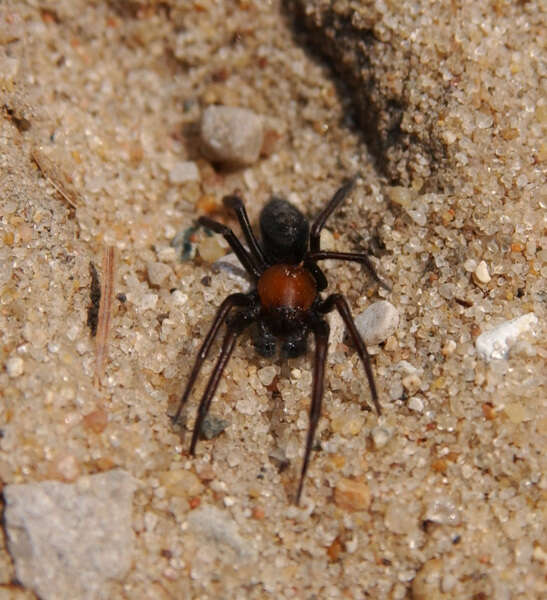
(67, 540)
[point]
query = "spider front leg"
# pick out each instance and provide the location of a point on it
(235, 327)
(236, 204)
(322, 217)
(321, 331)
(230, 302)
(339, 302)
(248, 261)
(352, 257)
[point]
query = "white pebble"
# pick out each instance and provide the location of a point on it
(380, 436)
(411, 383)
(157, 272)
(148, 301)
(231, 135)
(15, 366)
(470, 265)
(481, 273)
(166, 254)
(495, 344)
(266, 375)
(448, 348)
(184, 171)
(179, 298)
(443, 510)
(416, 404)
(377, 322)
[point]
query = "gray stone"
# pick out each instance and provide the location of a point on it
(231, 135)
(67, 540)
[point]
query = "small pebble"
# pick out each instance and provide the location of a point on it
(147, 301)
(229, 264)
(210, 249)
(351, 494)
(266, 375)
(380, 436)
(516, 412)
(481, 274)
(213, 427)
(400, 195)
(377, 322)
(231, 135)
(448, 348)
(443, 510)
(96, 420)
(67, 468)
(427, 583)
(184, 171)
(180, 482)
(495, 344)
(416, 404)
(179, 298)
(398, 518)
(411, 383)
(157, 272)
(15, 366)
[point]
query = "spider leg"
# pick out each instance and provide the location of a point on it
(236, 204)
(321, 331)
(234, 329)
(339, 302)
(353, 257)
(247, 260)
(222, 312)
(318, 274)
(321, 218)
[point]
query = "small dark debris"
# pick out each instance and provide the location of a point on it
(456, 539)
(188, 104)
(122, 298)
(206, 281)
(279, 460)
(21, 123)
(161, 317)
(95, 298)
(212, 427)
(463, 302)
(427, 525)
(520, 292)
(386, 562)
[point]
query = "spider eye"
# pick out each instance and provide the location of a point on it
(284, 231)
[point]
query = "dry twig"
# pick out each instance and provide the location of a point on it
(105, 312)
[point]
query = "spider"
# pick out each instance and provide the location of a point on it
(284, 304)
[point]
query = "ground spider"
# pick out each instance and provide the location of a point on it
(285, 303)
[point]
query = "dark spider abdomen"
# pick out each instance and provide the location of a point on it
(284, 231)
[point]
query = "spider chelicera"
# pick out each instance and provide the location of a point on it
(284, 304)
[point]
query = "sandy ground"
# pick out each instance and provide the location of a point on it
(450, 481)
